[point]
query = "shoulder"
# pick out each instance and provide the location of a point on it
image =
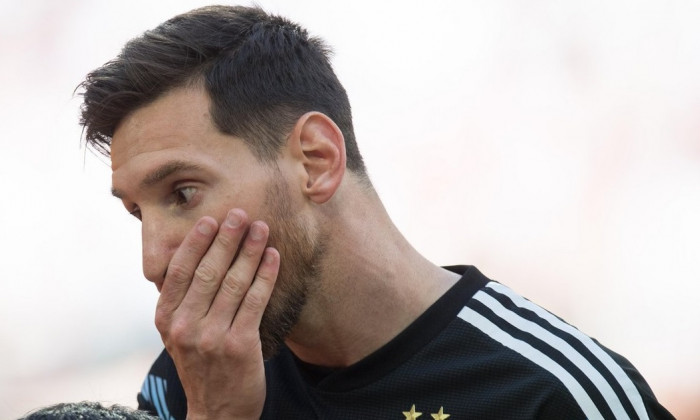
(602, 383)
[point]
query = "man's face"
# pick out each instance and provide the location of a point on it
(171, 166)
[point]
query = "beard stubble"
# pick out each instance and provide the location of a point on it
(300, 256)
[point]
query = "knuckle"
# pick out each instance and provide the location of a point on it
(178, 273)
(254, 302)
(208, 342)
(179, 331)
(237, 347)
(225, 240)
(162, 321)
(265, 276)
(205, 273)
(242, 341)
(233, 347)
(233, 286)
(250, 251)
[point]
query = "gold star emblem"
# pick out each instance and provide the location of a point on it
(439, 415)
(412, 415)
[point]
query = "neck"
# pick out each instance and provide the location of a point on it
(373, 285)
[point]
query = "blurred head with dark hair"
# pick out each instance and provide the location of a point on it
(87, 410)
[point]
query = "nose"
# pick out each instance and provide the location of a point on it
(159, 243)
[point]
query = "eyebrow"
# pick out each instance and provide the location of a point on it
(160, 173)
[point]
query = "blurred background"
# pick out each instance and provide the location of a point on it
(555, 145)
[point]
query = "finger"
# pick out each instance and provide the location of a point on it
(182, 266)
(214, 264)
(256, 299)
(240, 276)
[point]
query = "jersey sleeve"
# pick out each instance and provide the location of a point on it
(162, 394)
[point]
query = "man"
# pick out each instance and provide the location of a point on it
(285, 289)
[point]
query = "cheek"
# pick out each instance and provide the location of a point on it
(249, 197)
(218, 206)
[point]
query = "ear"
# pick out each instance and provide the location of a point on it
(318, 144)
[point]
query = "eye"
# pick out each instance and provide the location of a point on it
(184, 195)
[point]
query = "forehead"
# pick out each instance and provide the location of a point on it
(179, 119)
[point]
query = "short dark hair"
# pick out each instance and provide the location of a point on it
(262, 72)
(87, 410)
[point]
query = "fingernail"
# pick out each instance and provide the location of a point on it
(204, 228)
(269, 257)
(233, 219)
(257, 232)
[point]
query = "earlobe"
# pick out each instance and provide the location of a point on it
(322, 153)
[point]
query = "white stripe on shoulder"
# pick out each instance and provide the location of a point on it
(615, 369)
(154, 394)
(145, 391)
(562, 346)
(162, 386)
(492, 330)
